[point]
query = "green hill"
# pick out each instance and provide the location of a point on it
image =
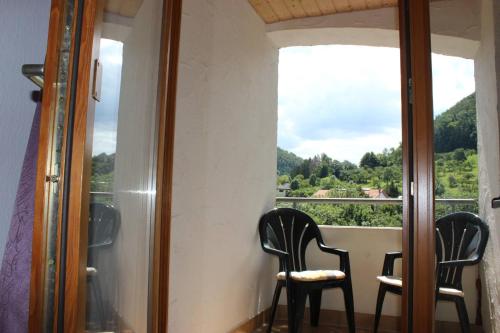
(456, 127)
(287, 162)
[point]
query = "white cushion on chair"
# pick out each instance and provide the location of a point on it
(398, 282)
(319, 275)
(451, 292)
(391, 280)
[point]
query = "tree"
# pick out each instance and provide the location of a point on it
(295, 184)
(369, 160)
(439, 191)
(313, 180)
(452, 181)
(459, 155)
(323, 171)
(392, 190)
(283, 179)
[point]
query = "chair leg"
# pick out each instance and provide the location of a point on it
(349, 305)
(95, 291)
(290, 307)
(299, 307)
(99, 302)
(276, 298)
(380, 302)
(462, 314)
(315, 306)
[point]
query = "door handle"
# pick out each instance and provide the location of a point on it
(495, 203)
(34, 72)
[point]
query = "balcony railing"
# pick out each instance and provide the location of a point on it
(367, 201)
(383, 212)
(367, 211)
(102, 197)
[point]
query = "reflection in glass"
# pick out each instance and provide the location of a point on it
(122, 179)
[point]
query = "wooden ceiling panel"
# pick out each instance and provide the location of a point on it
(326, 7)
(272, 11)
(281, 10)
(295, 7)
(358, 4)
(311, 8)
(343, 6)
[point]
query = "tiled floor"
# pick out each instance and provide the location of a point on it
(282, 328)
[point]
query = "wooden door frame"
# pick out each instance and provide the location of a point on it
(78, 176)
(38, 261)
(418, 168)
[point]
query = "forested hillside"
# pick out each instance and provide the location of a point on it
(287, 162)
(102, 173)
(456, 128)
(456, 173)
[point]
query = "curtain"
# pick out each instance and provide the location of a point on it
(16, 263)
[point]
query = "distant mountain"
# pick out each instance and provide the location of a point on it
(287, 161)
(456, 127)
(103, 164)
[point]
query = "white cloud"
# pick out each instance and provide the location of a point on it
(452, 80)
(104, 142)
(349, 148)
(346, 100)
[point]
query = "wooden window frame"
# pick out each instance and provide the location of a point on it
(418, 168)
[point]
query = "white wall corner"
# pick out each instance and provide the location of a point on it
(487, 63)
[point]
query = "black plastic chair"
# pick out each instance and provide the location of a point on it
(460, 241)
(104, 223)
(286, 232)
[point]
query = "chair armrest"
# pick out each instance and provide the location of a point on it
(332, 250)
(271, 250)
(283, 257)
(343, 256)
(390, 258)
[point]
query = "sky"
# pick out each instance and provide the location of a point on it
(106, 113)
(345, 100)
(335, 99)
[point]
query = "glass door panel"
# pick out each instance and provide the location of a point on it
(455, 33)
(122, 184)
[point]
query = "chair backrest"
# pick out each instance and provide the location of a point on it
(289, 230)
(104, 222)
(459, 236)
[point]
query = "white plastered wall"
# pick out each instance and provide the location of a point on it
(487, 65)
(224, 167)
